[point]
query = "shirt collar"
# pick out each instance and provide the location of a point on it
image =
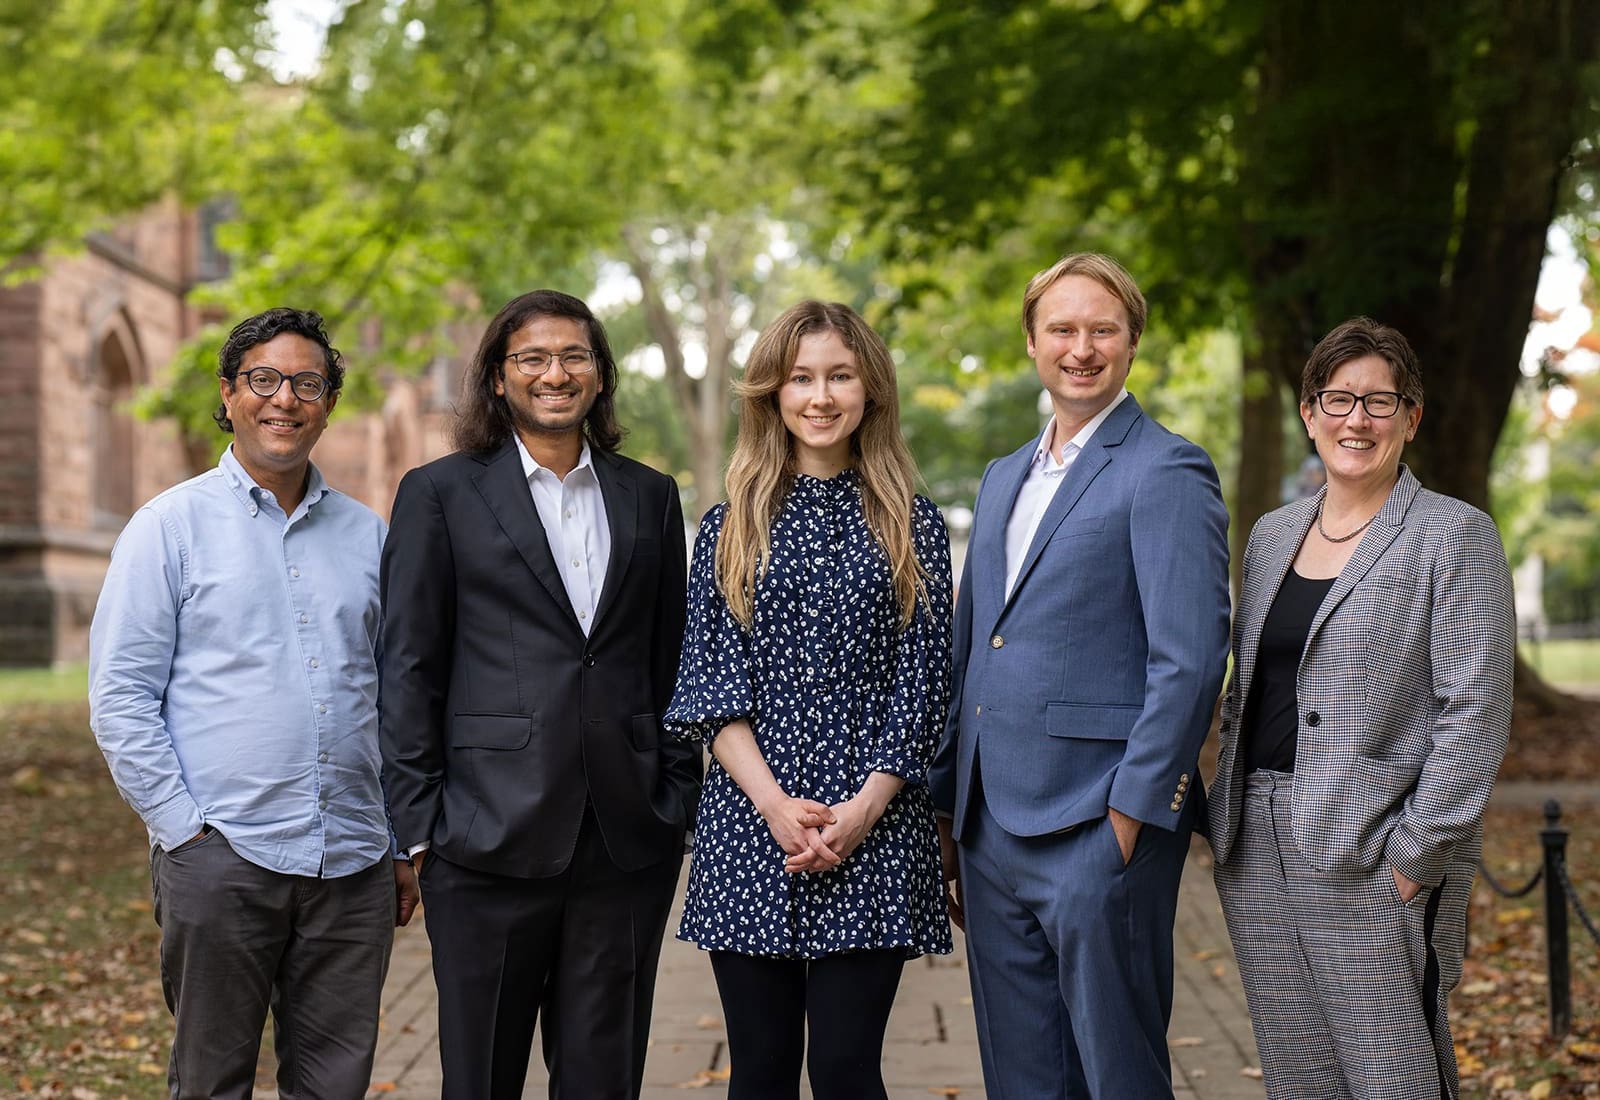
(530, 465)
(244, 487)
(1081, 440)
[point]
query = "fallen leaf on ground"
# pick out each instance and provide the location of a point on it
(705, 1078)
(1584, 1051)
(1187, 1041)
(1252, 1072)
(1540, 1091)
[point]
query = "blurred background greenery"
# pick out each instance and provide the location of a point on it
(1264, 169)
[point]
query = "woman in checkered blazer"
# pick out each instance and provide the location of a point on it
(1367, 716)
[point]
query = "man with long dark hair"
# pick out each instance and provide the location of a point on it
(233, 686)
(533, 590)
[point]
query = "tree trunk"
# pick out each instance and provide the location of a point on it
(704, 402)
(1260, 456)
(1457, 230)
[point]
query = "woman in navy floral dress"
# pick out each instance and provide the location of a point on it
(816, 664)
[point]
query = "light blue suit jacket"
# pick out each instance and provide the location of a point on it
(1094, 683)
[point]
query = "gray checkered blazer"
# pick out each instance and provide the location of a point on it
(1404, 689)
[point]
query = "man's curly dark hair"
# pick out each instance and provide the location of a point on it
(257, 330)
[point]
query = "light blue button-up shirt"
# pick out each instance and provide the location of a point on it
(233, 672)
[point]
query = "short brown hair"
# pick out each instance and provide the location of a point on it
(1358, 338)
(1103, 270)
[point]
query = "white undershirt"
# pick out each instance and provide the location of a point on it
(1045, 476)
(574, 517)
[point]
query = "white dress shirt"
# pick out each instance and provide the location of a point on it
(1039, 489)
(574, 517)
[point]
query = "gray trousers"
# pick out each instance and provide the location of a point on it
(1342, 977)
(238, 940)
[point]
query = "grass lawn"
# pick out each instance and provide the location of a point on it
(69, 684)
(1567, 662)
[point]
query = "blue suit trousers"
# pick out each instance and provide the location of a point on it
(1070, 954)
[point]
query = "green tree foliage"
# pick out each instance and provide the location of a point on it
(109, 105)
(1302, 160)
(1263, 168)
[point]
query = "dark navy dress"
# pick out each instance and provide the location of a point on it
(834, 690)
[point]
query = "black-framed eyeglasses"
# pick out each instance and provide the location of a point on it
(535, 363)
(1381, 404)
(266, 381)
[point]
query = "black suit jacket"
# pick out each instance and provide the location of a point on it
(500, 719)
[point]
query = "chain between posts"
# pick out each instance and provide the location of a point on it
(1505, 892)
(1572, 897)
(1559, 895)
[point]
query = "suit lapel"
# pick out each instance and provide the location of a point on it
(1384, 530)
(621, 498)
(1290, 533)
(1096, 456)
(504, 489)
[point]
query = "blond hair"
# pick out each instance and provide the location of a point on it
(1093, 265)
(762, 469)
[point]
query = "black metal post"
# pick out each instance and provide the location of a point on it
(1554, 839)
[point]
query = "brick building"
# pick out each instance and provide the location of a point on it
(75, 463)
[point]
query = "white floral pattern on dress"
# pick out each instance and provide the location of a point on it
(834, 689)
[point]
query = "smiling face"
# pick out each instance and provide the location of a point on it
(1083, 348)
(273, 436)
(822, 403)
(554, 404)
(1360, 450)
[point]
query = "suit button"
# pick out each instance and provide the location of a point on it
(1184, 778)
(1176, 805)
(588, 660)
(996, 642)
(1313, 719)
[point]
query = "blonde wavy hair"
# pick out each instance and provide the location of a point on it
(762, 469)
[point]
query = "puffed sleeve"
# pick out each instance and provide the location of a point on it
(713, 685)
(904, 746)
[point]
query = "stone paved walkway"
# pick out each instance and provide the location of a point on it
(932, 1047)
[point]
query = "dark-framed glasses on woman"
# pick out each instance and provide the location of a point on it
(1381, 404)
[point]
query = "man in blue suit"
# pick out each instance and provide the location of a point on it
(1091, 633)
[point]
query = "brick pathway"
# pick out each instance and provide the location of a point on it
(932, 1047)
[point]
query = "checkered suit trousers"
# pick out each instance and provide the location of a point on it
(1342, 977)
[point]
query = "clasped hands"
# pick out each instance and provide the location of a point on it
(815, 837)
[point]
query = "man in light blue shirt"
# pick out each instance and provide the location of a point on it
(233, 689)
